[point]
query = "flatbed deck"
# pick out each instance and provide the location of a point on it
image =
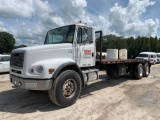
(105, 61)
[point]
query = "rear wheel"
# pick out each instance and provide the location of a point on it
(138, 71)
(66, 88)
(145, 70)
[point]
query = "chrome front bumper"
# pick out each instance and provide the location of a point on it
(31, 84)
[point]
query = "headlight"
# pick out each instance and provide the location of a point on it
(38, 69)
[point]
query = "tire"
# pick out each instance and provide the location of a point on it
(66, 88)
(138, 71)
(145, 70)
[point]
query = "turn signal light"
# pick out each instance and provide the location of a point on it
(51, 70)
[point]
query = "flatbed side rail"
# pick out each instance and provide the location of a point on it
(105, 61)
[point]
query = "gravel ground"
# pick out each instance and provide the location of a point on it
(112, 99)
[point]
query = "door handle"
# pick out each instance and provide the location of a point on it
(92, 54)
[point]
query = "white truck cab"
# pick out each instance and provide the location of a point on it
(69, 47)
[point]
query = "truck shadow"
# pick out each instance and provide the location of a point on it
(4, 73)
(23, 101)
(107, 82)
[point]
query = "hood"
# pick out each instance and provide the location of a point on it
(46, 47)
(42, 55)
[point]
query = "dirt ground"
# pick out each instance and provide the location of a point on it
(111, 99)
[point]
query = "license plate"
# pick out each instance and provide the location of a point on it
(31, 85)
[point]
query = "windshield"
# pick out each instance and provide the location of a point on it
(158, 55)
(60, 35)
(143, 55)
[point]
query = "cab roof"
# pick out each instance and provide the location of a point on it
(147, 53)
(4, 55)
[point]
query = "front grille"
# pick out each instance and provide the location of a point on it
(16, 71)
(17, 60)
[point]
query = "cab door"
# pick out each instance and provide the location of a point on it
(5, 63)
(85, 49)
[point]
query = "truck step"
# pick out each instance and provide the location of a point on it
(94, 81)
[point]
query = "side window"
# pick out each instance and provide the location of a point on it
(147, 55)
(5, 58)
(84, 35)
(79, 35)
(2, 59)
(151, 56)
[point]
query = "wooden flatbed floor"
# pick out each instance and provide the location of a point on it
(105, 61)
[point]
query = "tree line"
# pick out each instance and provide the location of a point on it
(7, 43)
(133, 45)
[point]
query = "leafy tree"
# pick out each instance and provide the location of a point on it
(7, 42)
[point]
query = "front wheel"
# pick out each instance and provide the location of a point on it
(66, 88)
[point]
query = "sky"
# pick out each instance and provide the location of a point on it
(29, 20)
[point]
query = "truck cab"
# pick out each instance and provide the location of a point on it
(69, 48)
(81, 39)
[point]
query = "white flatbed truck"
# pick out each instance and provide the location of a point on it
(66, 63)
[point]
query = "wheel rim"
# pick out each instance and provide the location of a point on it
(147, 70)
(69, 88)
(141, 71)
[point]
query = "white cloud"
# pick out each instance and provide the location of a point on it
(29, 36)
(79, 3)
(2, 26)
(48, 18)
(103, 24)
(73, 11)
(42, 6)
(46, 15)
(43, 15)
(45, 19)
(127, 21)
(16, 8)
